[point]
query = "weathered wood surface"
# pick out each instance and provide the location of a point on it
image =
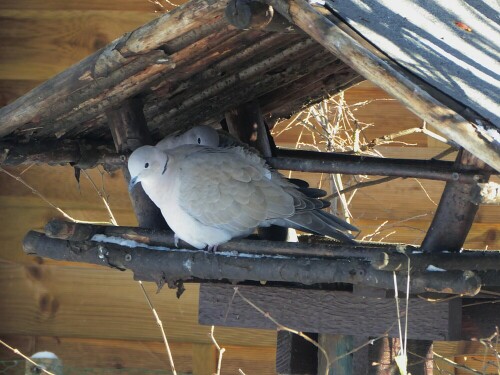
(336, 346)
(242, 65)
(61, 301)
(295, 355)
(327, 312)
(354, 51)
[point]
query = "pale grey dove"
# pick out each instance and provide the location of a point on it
(205, 135)
(211, 195)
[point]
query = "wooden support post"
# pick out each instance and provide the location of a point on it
(295, 355)
(449, 228)
(247, 124)
(336, 346)
(456, 211)
(129, 129)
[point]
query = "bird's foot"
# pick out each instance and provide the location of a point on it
(212, 248)
(176, 240)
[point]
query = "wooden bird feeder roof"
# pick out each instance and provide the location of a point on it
(197, 63)
(192, 65)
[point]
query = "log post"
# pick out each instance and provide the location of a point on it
(456, 211)
(129, 130)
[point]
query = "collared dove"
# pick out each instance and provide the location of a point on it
(205, 135)
(210, 195)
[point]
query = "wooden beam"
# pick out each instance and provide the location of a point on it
(174, 265)
(336, 347)
(327, 312)
(324, 162)
(342, 41)
(385, 257)
(224, 91)
(247, 124)
(294, 160)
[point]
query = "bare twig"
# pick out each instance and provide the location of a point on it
(454, 364)
(160, 324)
(103, 198)
(16, 351)
(42, 197)
(360, 185)
(219, 349)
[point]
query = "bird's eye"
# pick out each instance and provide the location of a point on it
(146, 165)
(199, 140)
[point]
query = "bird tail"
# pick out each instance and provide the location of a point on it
(320, 223)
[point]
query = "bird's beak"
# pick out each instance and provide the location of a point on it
(132, 183)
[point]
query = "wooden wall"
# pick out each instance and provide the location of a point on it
(97, 318)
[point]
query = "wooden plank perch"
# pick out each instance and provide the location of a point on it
(234, 261)
(338, 38)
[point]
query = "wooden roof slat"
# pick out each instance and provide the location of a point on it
(334, 35)
(244, 83)
(47, 100)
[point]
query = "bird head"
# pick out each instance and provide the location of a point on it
(202, 135)
(144, 162)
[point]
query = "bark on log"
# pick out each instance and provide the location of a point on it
(82, 154)
(312, 161)
(174, 265)
(455, 213)
(294, 160)
(342, 41)
(311, 89)
(387, 257)
(187, 103)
